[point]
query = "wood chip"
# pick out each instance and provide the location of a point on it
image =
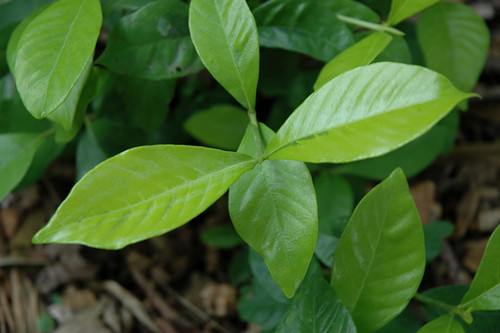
(10, 221)
(488, 220)
(475, 251)
(219, 299)
(130, 302)
(466, 211)
(423, 194)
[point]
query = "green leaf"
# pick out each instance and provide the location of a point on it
(309, 27)
(484, 292)
(341, 122)
(380, 252)
(88, 154)
(141, 193)
(316, 308)
(406, 322)
(397, 51)
(239, 268)
(434, 234)
(412, 157)
(153, 43)
(455, 42)
(221, 236)
(451, 295)
(402, 9)
(5, 33)
(225, 36)
(353, 9)
(16, 35)
(360, 54)
(17, 151)
(221, 126)
(443, 324)
(53, 53)
(273, 208)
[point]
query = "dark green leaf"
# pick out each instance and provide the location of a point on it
(455, 42)
(17, 151)
(53, 52)
(153, 43)
(396, 51)
(5, 33)
(434, 234)
(273, 208)
(221, 236)
(340, 122)
(484, 292)
(88, 154)
(406, 322)
(239, 269)
(309, 27)
(221, 126)
(225, 36)
(451, 295)
(360, 54)
(141, 193)
(316, 308)
(380, 252)
(402, 9)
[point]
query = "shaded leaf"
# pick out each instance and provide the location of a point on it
(273, 208)
(316, 308)
(53, 53)
(402, 9)
(380, 252)
(309, 27)
(88, 154)
(141, 193)
(405, 322)
(360, 54)
(221, 236)
(451, 295)
(340, 122)
(455, 42)
(444, 324)
(484, 292)
(153, 43)
(434, 234)
(225, 36)
(17, 151)
(221, 126)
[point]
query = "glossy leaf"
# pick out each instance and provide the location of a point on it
(360, 54)
(484, 292)
(402, 9)
(273, 208)
(434, 234)
(141, 193)
(443, 324)
(17, 151)
(225, 36)
(221, 236)
(455, 42)
(53, 52)
(309, 27)
(380, 252)
(316, 308)
(221, 126)
(153, 43)
(341, 122)
(412, 157)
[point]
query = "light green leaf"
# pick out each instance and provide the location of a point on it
(443, 324)
(273, 208)
(316, 308)
(64, 114)
(17, 151)
(484, 292)
(153, 43)
(225, 36)
(221, 126)
(53, 52)
(364, 113)
(16, 35)
(360, 54)
(141, 193)
(309, 27)
(455, 42)
(402, 9)
(380, 257)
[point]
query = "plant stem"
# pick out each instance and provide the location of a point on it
(256, 131)
(465, 314)
(370, 25)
